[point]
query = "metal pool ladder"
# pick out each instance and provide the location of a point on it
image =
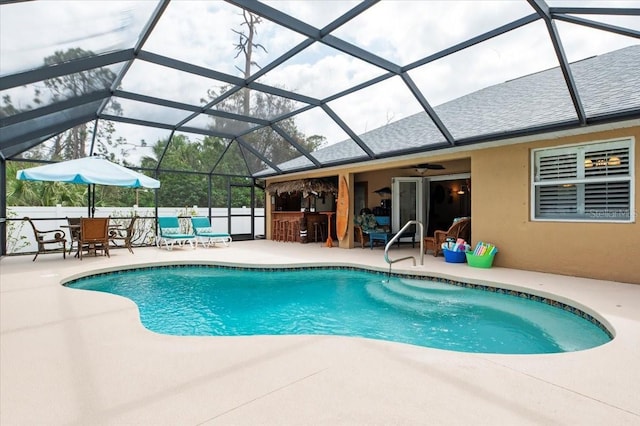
(395, 238)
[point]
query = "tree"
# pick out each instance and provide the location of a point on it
(251, 103)
(187, 189)
(245, 47)
(24, 193)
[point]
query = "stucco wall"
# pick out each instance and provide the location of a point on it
(501, 215)
(500, 210)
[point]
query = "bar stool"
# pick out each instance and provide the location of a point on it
(278, 229)
(293, 229)
(284, 225)
(318, 227)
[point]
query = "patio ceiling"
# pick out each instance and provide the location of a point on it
(371, 79)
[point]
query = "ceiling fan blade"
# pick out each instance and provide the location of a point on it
(430, 166)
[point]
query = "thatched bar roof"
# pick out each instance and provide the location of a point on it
(306, 186)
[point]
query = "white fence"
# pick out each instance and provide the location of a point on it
(20, 238)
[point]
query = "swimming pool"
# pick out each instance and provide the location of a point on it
(223, 301)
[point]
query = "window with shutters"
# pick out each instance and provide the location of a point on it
(588, 182)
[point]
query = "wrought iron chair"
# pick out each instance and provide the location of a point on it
(52, 238)
(74, 232)
(125, 235)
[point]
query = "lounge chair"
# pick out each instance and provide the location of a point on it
(205, 233)
(94, 235)
(170, 233)
(54, 238)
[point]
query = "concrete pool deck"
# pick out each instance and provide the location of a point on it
(83, 358)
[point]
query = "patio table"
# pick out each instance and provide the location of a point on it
(380, 236)
(112, 227)
(387, 236)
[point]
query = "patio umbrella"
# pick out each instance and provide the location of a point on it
(89, 171)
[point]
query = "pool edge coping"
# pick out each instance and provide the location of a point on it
(551, 299)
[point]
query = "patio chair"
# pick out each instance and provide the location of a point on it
(170, 233)
(361, 236)
(74, 232)
(123, 234)
(461, 228)
(366, 223)
(52, 238)
(94, 236)
(205, 233)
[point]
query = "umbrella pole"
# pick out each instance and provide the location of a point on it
(93, 200)
(89, 200)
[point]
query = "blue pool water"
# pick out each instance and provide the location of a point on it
(212, 301)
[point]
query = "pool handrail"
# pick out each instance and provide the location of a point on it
(397, 236)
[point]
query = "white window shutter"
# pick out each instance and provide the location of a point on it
(584, 182)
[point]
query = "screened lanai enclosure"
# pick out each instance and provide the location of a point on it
(213, 98)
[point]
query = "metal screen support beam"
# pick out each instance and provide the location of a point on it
(597, 25)
(349, 15)
(629, 11)
(49, 130)
(473, 41)
(3, 207)
(55, 107)
(145, 34)
(93, 139)
(295, 144)
(164, 151)
(428, 108)
(255, 152)
(349, 132)
(210, 188)
(220, 158)
(53, 71)
(542, 9)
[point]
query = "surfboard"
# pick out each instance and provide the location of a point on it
(342, 209)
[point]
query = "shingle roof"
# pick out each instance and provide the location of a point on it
(607, 83)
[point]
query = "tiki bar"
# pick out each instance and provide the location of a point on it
(303, 210)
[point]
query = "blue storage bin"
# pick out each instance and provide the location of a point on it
(454, 256)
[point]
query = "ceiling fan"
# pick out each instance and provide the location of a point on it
(422, 168)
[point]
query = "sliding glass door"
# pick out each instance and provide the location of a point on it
(407, 195)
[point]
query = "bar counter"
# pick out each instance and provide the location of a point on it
(313, 232)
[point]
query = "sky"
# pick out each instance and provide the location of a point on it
(200, 33)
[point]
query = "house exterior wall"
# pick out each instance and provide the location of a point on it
(501, 210)
(501, 214)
